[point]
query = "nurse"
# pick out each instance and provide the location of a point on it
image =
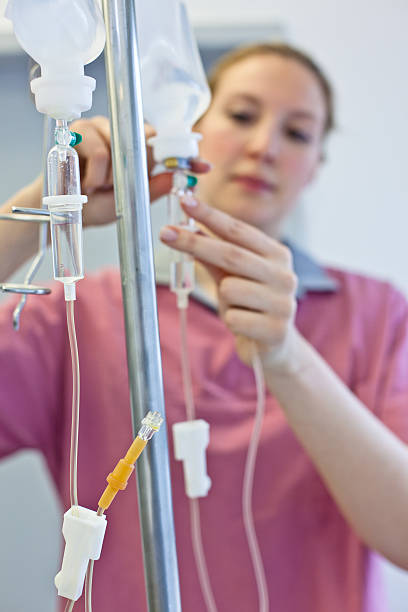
(331, 481)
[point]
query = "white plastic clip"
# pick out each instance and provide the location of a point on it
(191, 439)
(83, 531)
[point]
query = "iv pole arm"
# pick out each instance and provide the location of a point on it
(33, 215)
(139, 297)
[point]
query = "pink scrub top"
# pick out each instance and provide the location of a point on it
(314, 561)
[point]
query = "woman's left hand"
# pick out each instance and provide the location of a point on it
(255, 281)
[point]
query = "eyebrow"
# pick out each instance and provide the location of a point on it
(300, 114)
(294, 114)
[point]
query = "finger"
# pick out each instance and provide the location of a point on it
(94, 151)
(100, 208)
(257, 326)
(231, 258)
(149, 133)
(275, 300)
(103, 126)
(97, 170)
(200, 166)
(235, 230)
(160, 185)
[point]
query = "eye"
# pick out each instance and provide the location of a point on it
(299, 135)
(243, 117)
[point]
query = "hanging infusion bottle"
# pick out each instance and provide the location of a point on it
(65, 202)
(181, 264)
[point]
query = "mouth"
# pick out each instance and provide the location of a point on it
(254, 183)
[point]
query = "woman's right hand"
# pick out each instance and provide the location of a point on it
(96, 170)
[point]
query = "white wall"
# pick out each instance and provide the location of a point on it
(357, 214)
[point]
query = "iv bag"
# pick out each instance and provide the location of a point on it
(62, 36)
(58, 31)
(174, 87)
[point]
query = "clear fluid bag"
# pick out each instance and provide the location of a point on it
(174, 86)
(58, 31)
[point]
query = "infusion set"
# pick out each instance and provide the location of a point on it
(63, 36)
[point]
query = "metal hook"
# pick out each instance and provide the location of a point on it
(24, 289)
(40, 215)
(26, 214)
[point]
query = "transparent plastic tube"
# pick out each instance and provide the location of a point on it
(65, 204)
(73, 461)
(63, 164)
(70, 606)
(248, 486)
(185, 367)
(182, 279)
(89, 575)
(195, 522)
(199, 556)
(88, 586)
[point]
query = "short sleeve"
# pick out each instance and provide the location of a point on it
(31, 377)
(384, 389)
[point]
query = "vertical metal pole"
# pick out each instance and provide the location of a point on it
(139, 297)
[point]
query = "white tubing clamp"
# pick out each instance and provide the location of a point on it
(64, 202)
(191, 439)
(83, 531)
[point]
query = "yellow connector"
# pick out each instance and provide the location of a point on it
(171, 162)
(118, 479)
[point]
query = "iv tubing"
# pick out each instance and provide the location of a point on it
(185, 367)
(70, 605)
(88, 586)
(89, 577)
(195, 522)
(248, 485)
(73, 463)
(199, 555)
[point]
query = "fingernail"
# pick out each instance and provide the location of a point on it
(190, 201)
(168, 234)
(204, 161)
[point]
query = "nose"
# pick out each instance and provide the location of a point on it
(264, 141)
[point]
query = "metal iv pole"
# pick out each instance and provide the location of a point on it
(139, 298)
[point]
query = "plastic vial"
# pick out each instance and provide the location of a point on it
(181, 264)
(65, 205)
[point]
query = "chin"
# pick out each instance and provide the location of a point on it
(262, 219)
(260, 212)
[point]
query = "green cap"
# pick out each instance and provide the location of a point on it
(75, 139)
(191, 181)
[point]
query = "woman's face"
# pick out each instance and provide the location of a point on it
(263, 134)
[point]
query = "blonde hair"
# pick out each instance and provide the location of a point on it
(283, 50)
